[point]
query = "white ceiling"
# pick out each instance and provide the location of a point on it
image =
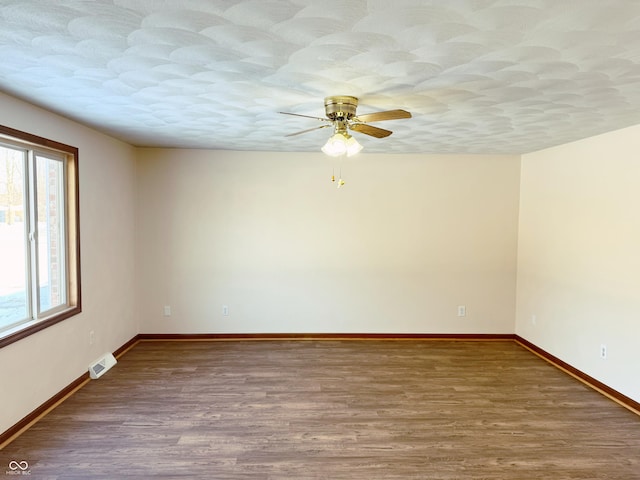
(479, 76)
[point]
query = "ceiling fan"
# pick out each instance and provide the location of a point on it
(341, 115)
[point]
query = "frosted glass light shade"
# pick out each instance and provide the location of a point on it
(353, 146)
(341, 144)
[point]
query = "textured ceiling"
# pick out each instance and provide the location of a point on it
(479, 76)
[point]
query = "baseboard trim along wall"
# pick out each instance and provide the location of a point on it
(14, 431)
(604, 389)
(323, 336)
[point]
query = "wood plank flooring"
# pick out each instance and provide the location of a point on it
(332, 410)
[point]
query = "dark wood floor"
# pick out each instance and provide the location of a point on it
(333, 410)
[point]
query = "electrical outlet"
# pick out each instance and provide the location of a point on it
(225, 310)
(92, 337)
(603, 351)
(534, 320)
(462, 311)
(167, 311)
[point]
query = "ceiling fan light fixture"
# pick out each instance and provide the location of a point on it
(353, 147)
(341, 144)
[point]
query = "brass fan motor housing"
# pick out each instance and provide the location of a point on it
(341, 107)
(341, 115)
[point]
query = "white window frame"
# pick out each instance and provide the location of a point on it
(35, 146)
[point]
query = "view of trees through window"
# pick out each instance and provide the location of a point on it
(32, 234)
(13, 237)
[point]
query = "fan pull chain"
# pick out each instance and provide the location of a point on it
(333, 177)
(340, 181)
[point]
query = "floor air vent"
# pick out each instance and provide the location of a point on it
(100, 367)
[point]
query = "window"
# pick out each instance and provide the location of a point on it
(39, 234)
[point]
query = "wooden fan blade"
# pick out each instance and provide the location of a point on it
(379, 116)
(308, 130)
(370, 130)
(305, 116)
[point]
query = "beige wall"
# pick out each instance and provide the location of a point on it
(407, 240)
(36, 368)
(579, 259)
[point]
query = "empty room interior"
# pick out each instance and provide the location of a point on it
(340, 239)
